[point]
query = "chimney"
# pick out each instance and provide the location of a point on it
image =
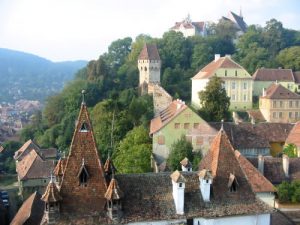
(186, 165)
(285, 165)
(205, 178)
(261, 163)
(217, 56)
(178, 182)
(228, 56)
(264, 92)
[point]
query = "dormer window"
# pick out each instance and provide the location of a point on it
(84, 127)
(232, 183)
(83, 175)
(180, 184)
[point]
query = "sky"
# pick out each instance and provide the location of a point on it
(62, 30)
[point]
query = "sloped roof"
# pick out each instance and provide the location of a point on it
(34, 167)
(210, 69)
(239, 21)
(27, 145)
(222, 161)
(281, 218)
(277, 91)
(297, 77)
(59, 168)
(149, 52)
(31, 211)
(189, 25)
(49, 153)
(256, 115)
(52, 193)
(265, 74)
(257, 181)
(83, 148)
(294, 135)
(113, 191)
(167, 115)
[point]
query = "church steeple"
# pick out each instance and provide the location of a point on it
(83, 183)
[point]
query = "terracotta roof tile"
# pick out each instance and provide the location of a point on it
(277, 91)
(149, 52)
(256, 115)
(59, 168)
(32, 166)
(210, 69)
(177, 177)
(31, 211)
(294, 135)
(28, 145)
(273, 75)
(167, 115)
(113, 191)
(186, 163)
(89, 196)
(297, 77)
(257, 181)
(52, 193)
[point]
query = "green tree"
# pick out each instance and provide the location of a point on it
(7, 162)
(284, 192)
(134, 152)
(289, 58)
(214, 101)
(179, 150)
(290, 150)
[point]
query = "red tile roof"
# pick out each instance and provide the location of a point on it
(294, 136)
(167, 115)
(28, 145)
(297, 77)
(257, 181)
(210, 69)
(222, 161)
(277, 91)
(149, 52)
(59, 168)
(113, 191)
(90, 196)
(52, 193)
(32, 166)
(273, 75)
(31, 211)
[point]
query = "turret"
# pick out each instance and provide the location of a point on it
(178, 183)
(205, 178)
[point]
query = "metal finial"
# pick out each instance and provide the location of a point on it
(222, 125)
(83, 94)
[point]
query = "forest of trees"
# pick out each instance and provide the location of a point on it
(111, 82)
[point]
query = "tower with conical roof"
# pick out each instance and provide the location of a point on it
(83, 182)
(149, 66)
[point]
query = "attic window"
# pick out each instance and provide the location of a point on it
(84, 127)
(232, 183)
(83, 175)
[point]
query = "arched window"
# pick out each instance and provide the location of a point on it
(232, 183)
(83, 175)
(145, 68)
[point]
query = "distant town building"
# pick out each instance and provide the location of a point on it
(279, 104)
(237, 82)
(263, 78)
(189, 28)
(238, 21)
(149, 64)
(169, 126)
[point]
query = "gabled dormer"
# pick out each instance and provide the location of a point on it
(205, 179)
(232, 183)
(178, 183)
(83, 175)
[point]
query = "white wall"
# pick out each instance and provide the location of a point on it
(262, 219)
(197, 85)
(267, 197)
(166, 222)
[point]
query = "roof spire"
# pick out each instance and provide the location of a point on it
(83, 94)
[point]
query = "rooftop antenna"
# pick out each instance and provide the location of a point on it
(83, 94)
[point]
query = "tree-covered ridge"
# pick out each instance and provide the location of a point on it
(27, 76)
(111, 81)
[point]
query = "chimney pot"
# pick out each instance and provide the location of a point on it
(217, 56)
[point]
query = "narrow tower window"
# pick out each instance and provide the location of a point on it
(84, 127)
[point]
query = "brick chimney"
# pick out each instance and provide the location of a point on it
(205, 178)
(178, 182)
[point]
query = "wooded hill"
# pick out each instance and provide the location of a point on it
(112, 80)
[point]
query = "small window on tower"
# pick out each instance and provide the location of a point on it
(84, 127)
(232, 183)
(83, 175)
(145, 68)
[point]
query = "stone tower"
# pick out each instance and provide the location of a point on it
(149, 67)
(83, 183)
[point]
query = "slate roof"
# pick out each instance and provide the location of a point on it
(32, 166)
(31, 211)
(265, 74)
(52, 193)
(167, 115)
(210, 69)
(277, 91)
(149, 52)
(257, 181)
(294, 135)
(239, 21)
